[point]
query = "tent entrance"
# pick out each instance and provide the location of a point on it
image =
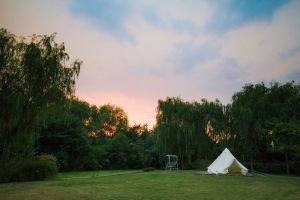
(234, 168)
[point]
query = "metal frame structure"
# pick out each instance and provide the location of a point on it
(171, 162)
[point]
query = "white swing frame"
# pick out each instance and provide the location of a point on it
(171, 162)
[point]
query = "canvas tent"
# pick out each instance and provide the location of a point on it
(226, 163)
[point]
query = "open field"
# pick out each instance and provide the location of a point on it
(153, 185)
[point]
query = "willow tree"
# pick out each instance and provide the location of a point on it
(216, 121)
(175, 134)
(181, 128)
(248, 119)
(34, 76)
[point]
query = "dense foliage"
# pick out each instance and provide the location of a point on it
(34, 77)
(38, 168)
(261, 126)
(181, 129)
(87, 137)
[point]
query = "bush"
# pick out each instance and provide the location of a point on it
(148, 169)
(201, 164)
(10, 171)
(47, 157)
(268, 167)
(295, 169)
(90, 161)
(39, 168)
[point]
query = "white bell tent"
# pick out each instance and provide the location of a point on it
(227, 163)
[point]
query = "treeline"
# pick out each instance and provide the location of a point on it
(82, 137)
(44, 128)
(261, 127)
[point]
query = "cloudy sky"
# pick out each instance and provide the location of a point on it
(135, 52)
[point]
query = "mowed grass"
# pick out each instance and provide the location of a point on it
(153, 185)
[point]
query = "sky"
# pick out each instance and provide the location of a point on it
(136, 52)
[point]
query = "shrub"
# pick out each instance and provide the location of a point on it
(10, 171)
(295, 169)
(148, 169)
(268, 167)
(47, 157)
(39, 168)
(90, 161)
(201, 164)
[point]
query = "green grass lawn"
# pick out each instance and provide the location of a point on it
(153, 185)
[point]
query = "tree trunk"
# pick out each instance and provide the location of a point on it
(287, 163)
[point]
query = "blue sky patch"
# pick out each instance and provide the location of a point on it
(293, 75)
(108, 15)
(230, 14)
(188, 55)
(111, 15)
(291, 52)
(231, 70)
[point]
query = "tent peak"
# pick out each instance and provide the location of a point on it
(226, 150)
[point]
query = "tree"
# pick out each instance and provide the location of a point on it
(181, 129)
(249, 117)
(112, 118)
(284, 122)
(173, 136)
(66, 135)
(67, 142)
(33, 78)
(143, 140)
(287, 140)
